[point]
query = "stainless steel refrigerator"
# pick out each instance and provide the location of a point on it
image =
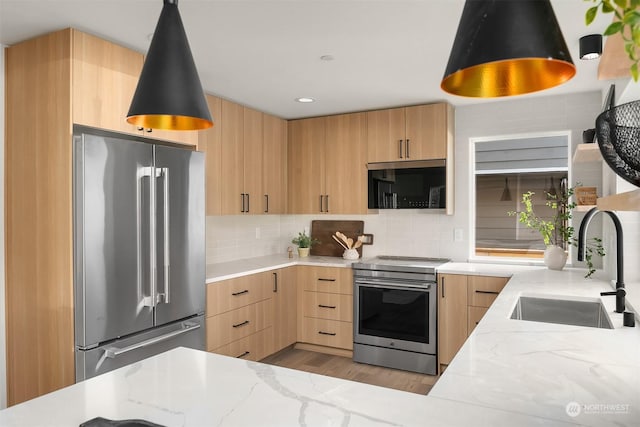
(139, 249)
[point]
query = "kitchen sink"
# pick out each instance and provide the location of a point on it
(563, 310)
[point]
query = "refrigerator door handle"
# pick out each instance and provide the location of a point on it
(165, 297)
(113, 352)
(147, 300)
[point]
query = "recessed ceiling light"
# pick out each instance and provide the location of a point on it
(327, 57)
(305, 100)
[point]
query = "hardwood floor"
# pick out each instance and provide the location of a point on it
(345, 368)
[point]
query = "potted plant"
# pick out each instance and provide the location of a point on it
(556, 232)
(304, 243)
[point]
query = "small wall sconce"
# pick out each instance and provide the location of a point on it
(591, 46)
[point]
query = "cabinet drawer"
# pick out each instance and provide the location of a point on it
(254, 347)
(322, 305)
(239, 323)
(331, 333)
(335, 280)
(483, 290)
(234, 293)
(474, 316)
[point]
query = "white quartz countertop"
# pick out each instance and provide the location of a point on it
(508, 373)
(233, 269)
(185, 387)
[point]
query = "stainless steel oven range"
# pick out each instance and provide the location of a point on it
(395, 315)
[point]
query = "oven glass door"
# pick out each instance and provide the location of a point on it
(402, 318)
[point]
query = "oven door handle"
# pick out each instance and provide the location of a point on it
(395, 285)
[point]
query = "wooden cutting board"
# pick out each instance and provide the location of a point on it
(323, 230)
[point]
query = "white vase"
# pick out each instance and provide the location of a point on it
(351, 254)
(555, 257)
(303, 252)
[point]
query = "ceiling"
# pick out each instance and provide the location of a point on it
(266, 53)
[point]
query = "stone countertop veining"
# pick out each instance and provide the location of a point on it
(185, 387)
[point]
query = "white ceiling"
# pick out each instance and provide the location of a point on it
(266, 53)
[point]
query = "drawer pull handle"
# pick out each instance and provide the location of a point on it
(326, 280)
(326, 306)
(235, 294)
(333, 334)
(487, 292)
(477, 323)
(246, 353)
(237, 325)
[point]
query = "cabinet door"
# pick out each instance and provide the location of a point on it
(211, 144)
(483, 290)
(274, 164)
(306, 166)
(346, 164)
(232, 200)
(452, 315)
(386, 134)
(252, 160)
(427, 132)
(285, 307)
(105, 77)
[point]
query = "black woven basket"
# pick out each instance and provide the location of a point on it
(618, 130)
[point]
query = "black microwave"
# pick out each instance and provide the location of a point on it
(407, 185)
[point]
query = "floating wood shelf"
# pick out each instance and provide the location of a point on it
(587, 153)
(629, 201)
(583, 208)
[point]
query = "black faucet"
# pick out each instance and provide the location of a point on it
(620, 293)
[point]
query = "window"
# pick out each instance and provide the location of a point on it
(504, 169)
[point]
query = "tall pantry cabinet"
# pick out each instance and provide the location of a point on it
(52, 82)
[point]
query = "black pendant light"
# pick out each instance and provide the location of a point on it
(507, 47)
(169, 94)
(591, 46)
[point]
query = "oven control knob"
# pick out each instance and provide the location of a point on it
(392, 344)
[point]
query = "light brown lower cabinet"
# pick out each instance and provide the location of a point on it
(285, 294)
(325, 304)
(330, 333)
(462, 302)
(253, 347)
(235, 324)
(452, 315)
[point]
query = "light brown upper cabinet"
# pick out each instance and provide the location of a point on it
(422, 132)
(105, 76)
(327, 165)
(274, 165)
(346, 164)
(210, 142)
(241, 159)
(305, 165)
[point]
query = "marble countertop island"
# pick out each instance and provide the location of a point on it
(185, 387)
(508, 373)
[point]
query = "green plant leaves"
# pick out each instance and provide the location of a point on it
(591, 15)
(614, 27)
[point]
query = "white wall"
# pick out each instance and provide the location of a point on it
(3, 362)
(419, 232)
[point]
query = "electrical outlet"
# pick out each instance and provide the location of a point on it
(457, 234)
(306, 231)
(258, 233)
